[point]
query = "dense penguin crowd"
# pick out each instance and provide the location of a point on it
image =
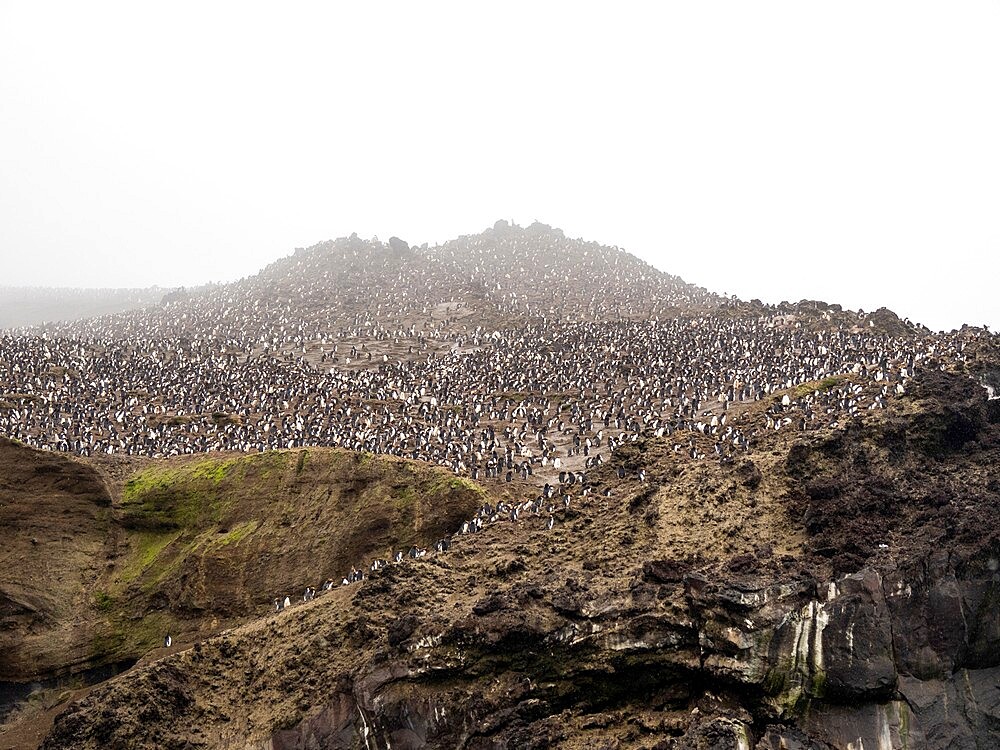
(543, 395)
(516, 354)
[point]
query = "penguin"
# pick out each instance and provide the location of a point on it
(286, 603)
(550, 523)
(167, 641)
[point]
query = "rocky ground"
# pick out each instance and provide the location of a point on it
(835, 589)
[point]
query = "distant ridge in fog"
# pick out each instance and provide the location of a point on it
(29, 306)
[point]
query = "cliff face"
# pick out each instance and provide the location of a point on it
(54, 516)
(101, 560)
(836, 590)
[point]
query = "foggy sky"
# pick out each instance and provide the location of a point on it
(838, 151)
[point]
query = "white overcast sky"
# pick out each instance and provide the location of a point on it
(843, 151)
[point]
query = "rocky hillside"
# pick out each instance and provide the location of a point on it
(654, 518)
(54, 519)
(499, 278)
(836, 589)
(103, 559)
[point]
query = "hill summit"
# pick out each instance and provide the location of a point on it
(505, 275)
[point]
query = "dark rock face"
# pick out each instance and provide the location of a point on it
(177, 295)
(857, 640)
(676, 662)
(848, 654)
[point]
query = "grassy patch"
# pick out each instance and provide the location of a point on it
(104, 601)
(125, 636)
(207, 521)
(826, 384)
(241, 531)
(140, 485)
(403, 495)
(161, 499)
(212, 470)
(455, 484)
(147, 546)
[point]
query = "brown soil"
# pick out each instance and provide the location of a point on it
(189, 546)
(55, 516)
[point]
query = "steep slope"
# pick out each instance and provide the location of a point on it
(102, 559)
(222, 537)
(55, 524)
(711, 606)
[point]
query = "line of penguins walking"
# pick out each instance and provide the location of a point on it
(548, 504)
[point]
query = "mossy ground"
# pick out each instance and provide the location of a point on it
(213, 539)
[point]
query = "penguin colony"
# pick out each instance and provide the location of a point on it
(515, 354)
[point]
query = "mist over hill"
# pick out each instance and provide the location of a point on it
(31, 306)
(503, 275)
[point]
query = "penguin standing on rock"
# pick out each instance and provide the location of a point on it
(167, 641)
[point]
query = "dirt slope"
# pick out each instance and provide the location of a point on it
(55, 519)
(123, 552)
